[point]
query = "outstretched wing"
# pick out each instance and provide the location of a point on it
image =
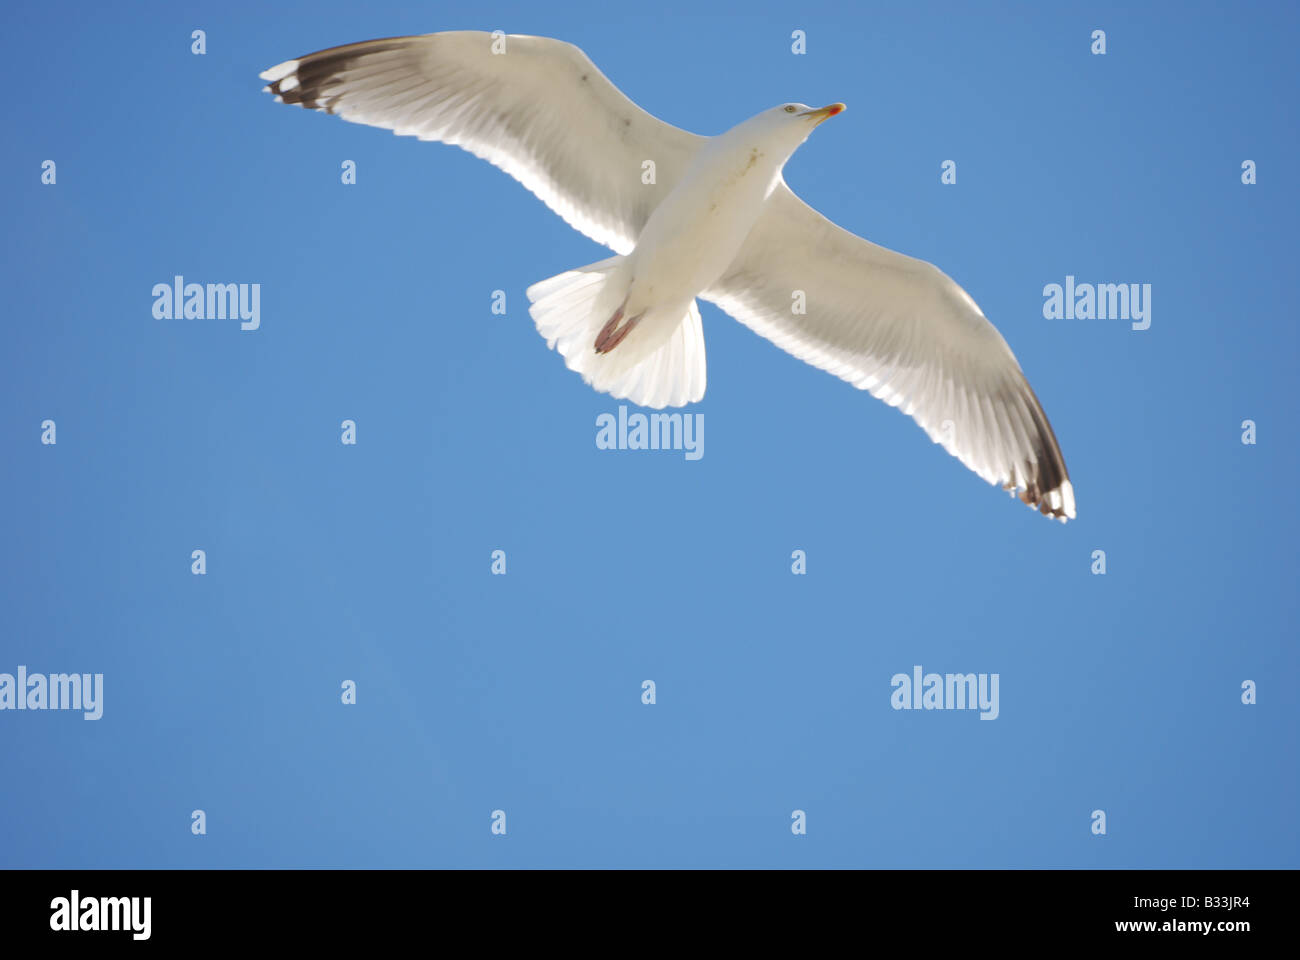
(535, 107)
(903, 330)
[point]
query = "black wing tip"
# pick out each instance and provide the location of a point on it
(1057, 502)
(302, 81)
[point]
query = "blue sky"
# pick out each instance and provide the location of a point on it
(522, 692)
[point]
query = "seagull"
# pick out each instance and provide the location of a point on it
(692, 217)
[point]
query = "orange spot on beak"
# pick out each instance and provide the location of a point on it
(825, 112)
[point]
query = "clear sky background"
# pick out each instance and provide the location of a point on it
(522, 692)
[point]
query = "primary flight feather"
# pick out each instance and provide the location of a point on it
(716, 220)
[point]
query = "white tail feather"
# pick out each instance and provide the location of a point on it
(657, 365)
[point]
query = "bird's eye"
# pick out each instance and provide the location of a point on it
(789, 108)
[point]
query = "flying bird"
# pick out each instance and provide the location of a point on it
(693, 217)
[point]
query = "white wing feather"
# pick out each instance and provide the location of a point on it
(540, 110)
(906, 332)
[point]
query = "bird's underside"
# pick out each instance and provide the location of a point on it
(540, 110)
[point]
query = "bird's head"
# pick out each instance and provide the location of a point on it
(802, 113)
(789, 124)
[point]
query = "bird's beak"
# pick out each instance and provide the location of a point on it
(819, 115)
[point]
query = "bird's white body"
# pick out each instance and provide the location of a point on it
(694, 234)
(717, 222)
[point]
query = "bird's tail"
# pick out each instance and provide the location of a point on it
(639, 358)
